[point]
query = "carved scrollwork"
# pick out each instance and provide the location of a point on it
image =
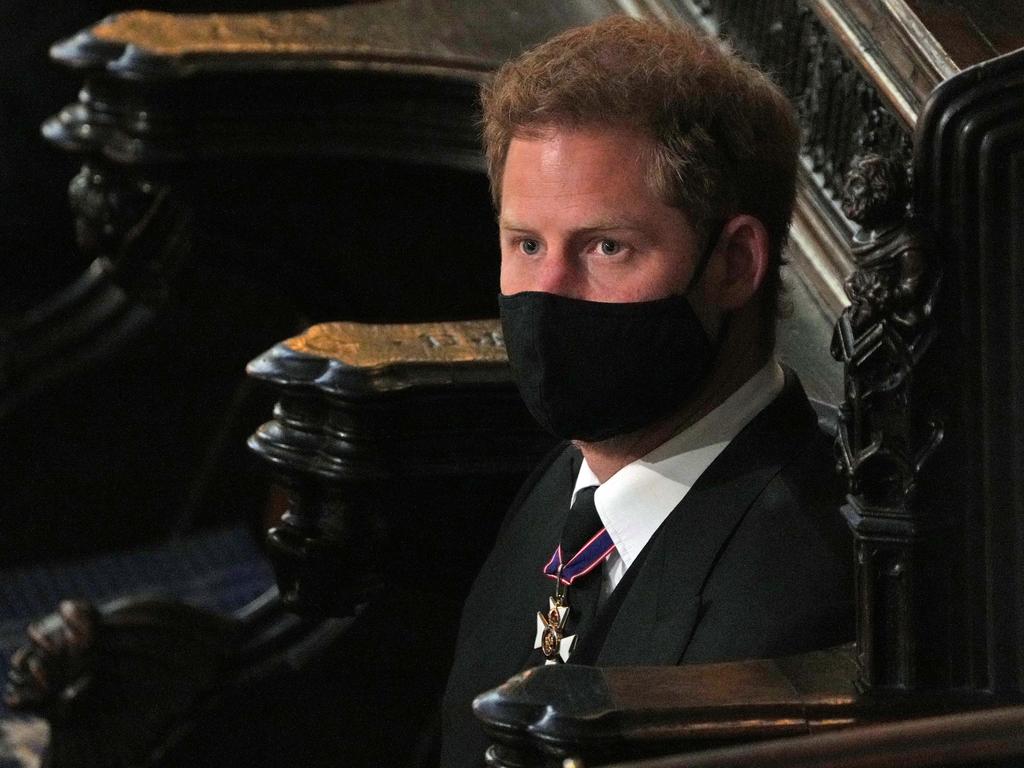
(105, 206)
(140, 230)
(140, 234)
(841, 114)
(56, 666)
(880, 338)
(94, 673)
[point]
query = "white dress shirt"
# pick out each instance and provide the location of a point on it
(635, 501)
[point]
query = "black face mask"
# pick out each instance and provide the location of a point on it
(591, 370)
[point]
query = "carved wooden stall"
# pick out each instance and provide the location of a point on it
(242, 177)
(910, 206)
(398, 445)
(288, 167)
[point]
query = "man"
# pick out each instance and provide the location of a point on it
(645, 180)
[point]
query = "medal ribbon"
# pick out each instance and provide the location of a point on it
(583, 562)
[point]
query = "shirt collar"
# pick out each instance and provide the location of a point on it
(635, 501)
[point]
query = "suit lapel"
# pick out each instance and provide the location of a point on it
(658, 614)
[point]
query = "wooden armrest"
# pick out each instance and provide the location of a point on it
(382, 434)
(607, 713)
(602, 714)
(967, 738)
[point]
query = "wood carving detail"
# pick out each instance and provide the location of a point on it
(92, 672)
(140, 236)
(880, 338)
(841, 114)
(374, 424)
(140, 229)
(56, 666)
(884, 440)
(362, 345)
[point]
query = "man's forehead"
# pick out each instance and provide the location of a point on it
(548, 137)
(598, 179)
(575, 162)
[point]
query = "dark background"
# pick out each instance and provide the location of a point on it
(149, 443)
(37, 249)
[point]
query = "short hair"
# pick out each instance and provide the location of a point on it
(726, 138)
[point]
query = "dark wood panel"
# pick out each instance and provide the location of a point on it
(986, 738)
(972, 31)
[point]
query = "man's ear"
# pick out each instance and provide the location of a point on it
(738, 264)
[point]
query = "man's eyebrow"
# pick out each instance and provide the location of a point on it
(593, 226)
(513, 225)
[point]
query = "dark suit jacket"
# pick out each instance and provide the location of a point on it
(755, 562)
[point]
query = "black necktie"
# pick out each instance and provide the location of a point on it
(581, 524)
(582, 547)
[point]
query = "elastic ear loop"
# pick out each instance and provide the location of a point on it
(705, 257)
(698, 273)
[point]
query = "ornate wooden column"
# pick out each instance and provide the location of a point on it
(878, 144)
(932, 408)
(885, 435)
(969, 192)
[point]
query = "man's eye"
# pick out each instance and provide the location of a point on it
(610, 247)
(529, 247)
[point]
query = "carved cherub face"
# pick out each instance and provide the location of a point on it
(874, 192)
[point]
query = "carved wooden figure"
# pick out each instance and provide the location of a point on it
(880, 339)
